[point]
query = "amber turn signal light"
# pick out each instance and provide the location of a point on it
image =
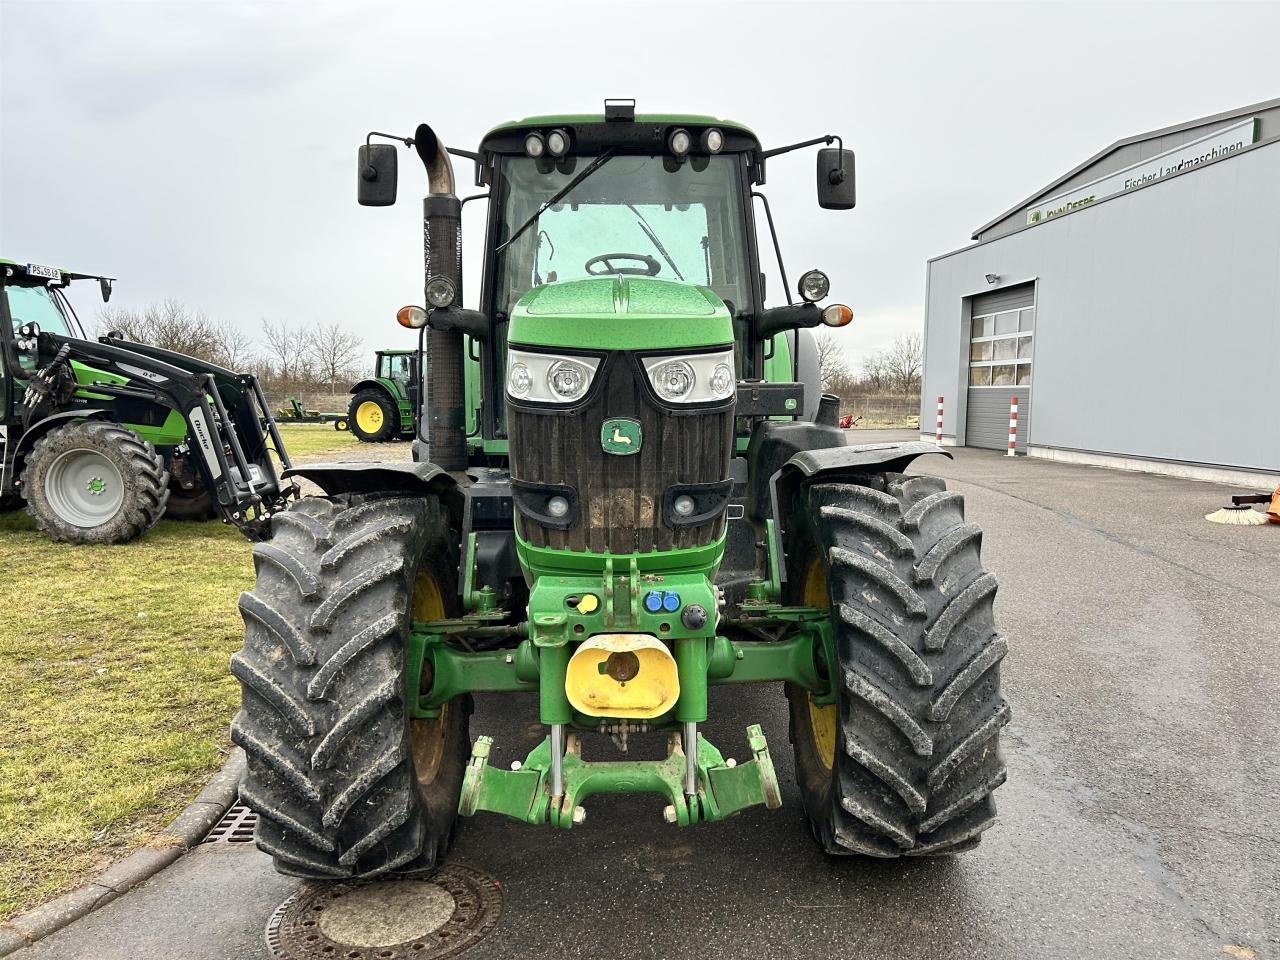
(411, 317)
(837, 315)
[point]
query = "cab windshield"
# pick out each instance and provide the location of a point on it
(36, 305)
(634, 215)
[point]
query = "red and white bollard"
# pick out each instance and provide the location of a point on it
(937, 436)
(1013, 427)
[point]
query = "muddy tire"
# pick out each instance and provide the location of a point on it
(345, 785)
(906, 760)
(94, 482)
(373, 417)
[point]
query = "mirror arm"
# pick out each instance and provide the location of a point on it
(825, 140)
(407, 141)
(776, 319)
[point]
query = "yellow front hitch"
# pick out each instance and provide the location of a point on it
(630, 676)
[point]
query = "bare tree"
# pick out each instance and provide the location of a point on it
(832, 364)
(286, 349)
(337, 354)
(171, 325)
(904, 361)
(875, 373)
(234, 345)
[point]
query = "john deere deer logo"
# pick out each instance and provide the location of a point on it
(620, 436)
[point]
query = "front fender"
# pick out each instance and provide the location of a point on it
(420, 479)
(834, 463)
(863, 458)
(40, 428)
(369, 383)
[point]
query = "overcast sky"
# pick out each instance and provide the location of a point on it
(206, 150)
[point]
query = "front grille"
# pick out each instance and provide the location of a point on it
(619, 498)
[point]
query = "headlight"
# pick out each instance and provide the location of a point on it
(673, 379)
(568, 379)
(692, 378)
(557, 143)
(440, 291)
(549, 377)
(814, 286)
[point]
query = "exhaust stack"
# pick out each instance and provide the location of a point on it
(444, 423)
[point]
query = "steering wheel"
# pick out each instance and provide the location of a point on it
(605, 261)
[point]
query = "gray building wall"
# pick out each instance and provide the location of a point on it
(1126, 153)
(1157, 319)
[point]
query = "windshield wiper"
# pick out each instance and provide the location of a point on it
(643, 224)
(587, 171)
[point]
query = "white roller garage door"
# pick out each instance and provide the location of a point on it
(1002, 329)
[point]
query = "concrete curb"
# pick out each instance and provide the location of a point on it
(185, 831)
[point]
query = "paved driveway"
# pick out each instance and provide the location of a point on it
(1139, 819)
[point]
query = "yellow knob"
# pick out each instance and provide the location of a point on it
(589, 603)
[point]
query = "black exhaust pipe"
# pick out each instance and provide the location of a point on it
(445, 422)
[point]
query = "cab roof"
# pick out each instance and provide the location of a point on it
(21, 266)
(569, 119)
(639, 129)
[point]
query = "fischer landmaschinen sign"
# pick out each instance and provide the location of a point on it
(1220, 143)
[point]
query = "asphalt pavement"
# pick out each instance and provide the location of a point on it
(1139, 818)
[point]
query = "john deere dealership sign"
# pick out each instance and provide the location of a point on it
(1220, 143)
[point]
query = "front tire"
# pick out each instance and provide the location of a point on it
(905, 762)
(373, 417)
(93, 481)
(344, 783)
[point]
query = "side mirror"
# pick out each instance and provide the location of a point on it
(835, 179)
(376, 174)
(104, 284)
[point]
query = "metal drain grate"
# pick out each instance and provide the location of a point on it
(236, 826)
(438, 915)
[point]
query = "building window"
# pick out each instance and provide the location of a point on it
(1000, 348)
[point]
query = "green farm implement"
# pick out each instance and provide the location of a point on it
(294, 412)
(102, 438)
(627, 487)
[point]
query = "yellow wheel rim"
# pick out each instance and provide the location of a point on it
(428, 736)
(822, 718)
(369, 417)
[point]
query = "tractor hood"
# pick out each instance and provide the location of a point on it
(621, 313)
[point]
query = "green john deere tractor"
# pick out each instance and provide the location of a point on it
(626, 488)
(102, 438)
(382, 406)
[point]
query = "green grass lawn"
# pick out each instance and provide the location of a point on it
(305, 440)
(117, 695)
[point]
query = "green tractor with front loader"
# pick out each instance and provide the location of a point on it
(101, 438)
(382, 406)
(626, 488)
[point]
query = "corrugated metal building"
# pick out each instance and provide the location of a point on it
(1132, 306)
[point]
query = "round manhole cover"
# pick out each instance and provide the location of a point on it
(439, 915)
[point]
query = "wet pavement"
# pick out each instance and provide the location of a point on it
(1138, 819)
